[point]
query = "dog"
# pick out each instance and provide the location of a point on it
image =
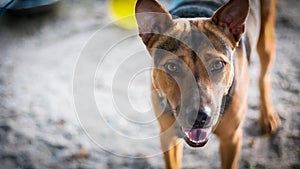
(201, 51)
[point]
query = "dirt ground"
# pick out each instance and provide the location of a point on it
(49, 62)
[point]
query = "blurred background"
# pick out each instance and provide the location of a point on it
(52, 54)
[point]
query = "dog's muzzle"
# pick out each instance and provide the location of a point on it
(197, 134)
(197, 137)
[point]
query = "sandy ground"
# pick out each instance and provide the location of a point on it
(64, 84)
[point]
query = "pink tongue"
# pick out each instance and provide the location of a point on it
(196, 134)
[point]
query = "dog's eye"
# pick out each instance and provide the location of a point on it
(217, 66)
(171, 67)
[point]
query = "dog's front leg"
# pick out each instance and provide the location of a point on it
(171, 145)
(230, 147)
(229, 132)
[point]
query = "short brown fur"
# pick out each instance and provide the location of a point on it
(163, 32)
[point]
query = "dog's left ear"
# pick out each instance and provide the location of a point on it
(231, 19)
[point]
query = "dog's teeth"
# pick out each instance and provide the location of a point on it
(199, 141)
(186, 133)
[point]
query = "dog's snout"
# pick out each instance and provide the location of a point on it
(199, 119)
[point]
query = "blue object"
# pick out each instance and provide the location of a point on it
(4, 8)
(25, 4)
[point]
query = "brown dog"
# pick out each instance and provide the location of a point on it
(200, 52)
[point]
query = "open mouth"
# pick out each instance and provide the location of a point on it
(197, 137)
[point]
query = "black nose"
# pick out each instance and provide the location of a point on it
(199, 119)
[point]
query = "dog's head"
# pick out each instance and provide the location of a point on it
(193, 60)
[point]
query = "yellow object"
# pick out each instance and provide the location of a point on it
(122, 12)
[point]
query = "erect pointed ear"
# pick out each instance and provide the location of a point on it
(151, 18)
(231, 18)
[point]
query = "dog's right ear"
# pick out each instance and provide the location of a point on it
(231, 19)
(151, 19)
